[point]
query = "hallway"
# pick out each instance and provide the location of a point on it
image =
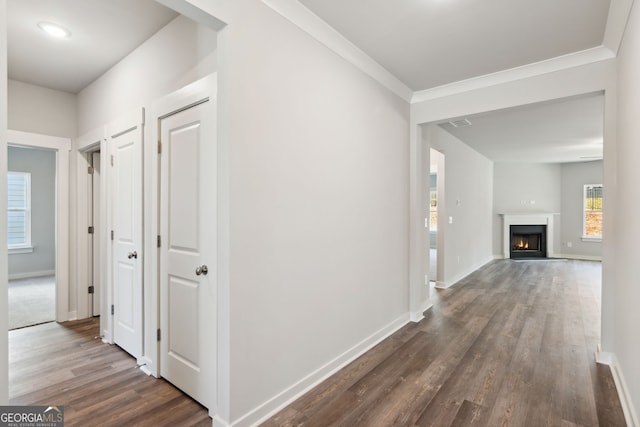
(511, 344)
(98, 384)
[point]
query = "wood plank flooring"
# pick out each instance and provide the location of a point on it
(98, 384)
(511, 345)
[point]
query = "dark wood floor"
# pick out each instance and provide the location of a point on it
(98, 384)
(511, 345)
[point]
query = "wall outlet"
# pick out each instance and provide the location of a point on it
(569, 244)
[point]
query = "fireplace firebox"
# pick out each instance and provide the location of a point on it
(528, 241)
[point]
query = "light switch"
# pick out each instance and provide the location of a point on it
(450, 220)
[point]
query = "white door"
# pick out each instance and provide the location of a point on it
(188, 270)
(126, 197)
(95, 221)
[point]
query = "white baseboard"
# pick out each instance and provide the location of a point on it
(603, 357)
(630, 415)
(278, 402)
(579, 257)
(31, 274)
(448, 283)
(219, 422)
(106, 337)
(72, 315)
(499, 256)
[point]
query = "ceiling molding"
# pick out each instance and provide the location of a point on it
(559, 63)
(619, 11)
(309, 22)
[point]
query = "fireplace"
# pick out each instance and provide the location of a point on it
(527, 220)
(528, 241)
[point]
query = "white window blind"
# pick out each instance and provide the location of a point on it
(18, 210)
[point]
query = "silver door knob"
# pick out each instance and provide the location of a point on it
(203, 269)
(133, 254)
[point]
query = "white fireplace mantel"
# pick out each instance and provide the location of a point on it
(526, 218)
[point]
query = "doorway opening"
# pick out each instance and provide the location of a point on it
(31, 236)
(38, 235)
(94, 232)
(436, 218)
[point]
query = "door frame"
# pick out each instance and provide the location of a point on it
(181, 99)
(92, 141)
(62, 148)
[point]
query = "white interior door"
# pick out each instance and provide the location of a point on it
(95, 243)
(126, 198)
(188, 256)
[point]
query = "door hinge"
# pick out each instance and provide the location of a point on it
(113, 309)
(159, 147)
(158, 335)
(112, 160)
(91, 289)
(112, 234)
(159, 241)
(90, 170)
(91, 229)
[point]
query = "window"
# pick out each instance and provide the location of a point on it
(592, 220)
(18, 211)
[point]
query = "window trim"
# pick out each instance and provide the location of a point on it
(25, 247)
(584, 237)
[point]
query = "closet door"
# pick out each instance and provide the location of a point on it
(125, 145)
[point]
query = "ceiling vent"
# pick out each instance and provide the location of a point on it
(460, 123)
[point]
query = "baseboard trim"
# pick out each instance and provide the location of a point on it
(610, 359)
(219, 422)
(278, 402)
(448, 283)
(603, 357)
(32, 274)
(72, 315)
(579, 257)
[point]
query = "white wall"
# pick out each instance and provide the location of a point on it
(626, 316)
(526, 187)
(574, 177)
(468, 188)
(38, 109)
(319, 205)
(41, 164)
(175, 56)
(4, 346)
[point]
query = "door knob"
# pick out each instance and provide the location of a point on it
(133, 254)
(203, 269)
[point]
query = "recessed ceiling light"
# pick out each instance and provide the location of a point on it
(54, 30)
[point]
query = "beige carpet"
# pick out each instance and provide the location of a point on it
(31, 301)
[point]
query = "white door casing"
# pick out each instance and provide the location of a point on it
(125, 146)
(188, 226)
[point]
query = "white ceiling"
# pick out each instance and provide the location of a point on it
(103, 32)
(428, 43)
(424, 43)
(564, 131)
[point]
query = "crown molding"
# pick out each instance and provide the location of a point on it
(309, 22)
(619, 11)
(313, 25)
(559, 63)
